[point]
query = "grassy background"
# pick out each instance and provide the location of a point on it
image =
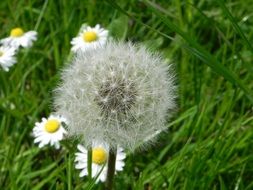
(210, 139)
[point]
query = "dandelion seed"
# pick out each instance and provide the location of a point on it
(89, 38)
(7, 57)
(99, 164)
(19, 38)
(49, 131)
(132, 104)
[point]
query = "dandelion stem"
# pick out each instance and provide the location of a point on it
(89, 163)
(111, 169)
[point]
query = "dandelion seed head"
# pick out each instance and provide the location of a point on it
(125, 94)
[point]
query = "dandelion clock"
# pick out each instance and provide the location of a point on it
(119, 94)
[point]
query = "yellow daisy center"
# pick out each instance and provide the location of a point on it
(17, 32)
(99, 156)
(90, 36)
(1, 53)
(52, 125)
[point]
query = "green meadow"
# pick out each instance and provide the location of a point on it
(208, 144)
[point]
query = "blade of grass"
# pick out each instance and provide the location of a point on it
(41, 15)
(116, 6)
(234, 23)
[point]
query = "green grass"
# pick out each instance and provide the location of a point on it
(210, 138)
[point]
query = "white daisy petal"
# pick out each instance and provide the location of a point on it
(103, 174)
(97, 27)
(80, 165)
(56, 145)
(78, 154)
(81, 148)
(84, 172)
(119, 166)
(7, 58)
(95, 169)
(38, 139)
(121, 155)
(41, 144)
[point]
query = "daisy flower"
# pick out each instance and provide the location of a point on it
(7, 58)
(89, 38)
(20, 38)
(49, 131)
(100, 153)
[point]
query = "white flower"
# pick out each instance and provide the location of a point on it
(19, 38)
(100, 153)
(89, 38)
(49, 131)
(7, 57)
(119, 93)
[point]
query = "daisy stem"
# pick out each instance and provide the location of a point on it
(89, 163)
(111, 169)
